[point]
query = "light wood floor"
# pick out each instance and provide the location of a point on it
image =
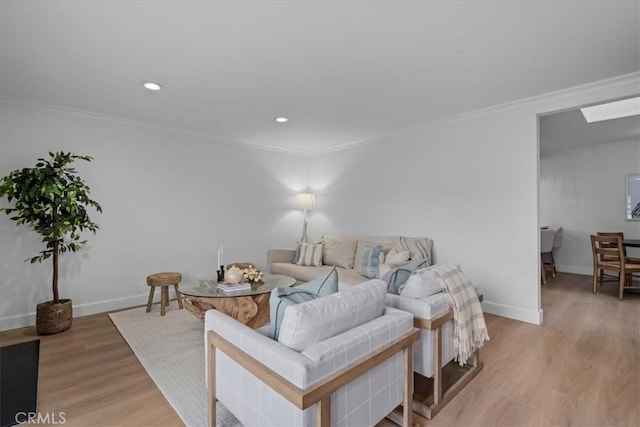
(580, 368)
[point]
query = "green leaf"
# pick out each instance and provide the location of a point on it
(51, 199)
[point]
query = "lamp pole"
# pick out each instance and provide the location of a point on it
(304, 238)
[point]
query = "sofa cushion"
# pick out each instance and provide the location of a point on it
(281, 298)
(422, 283)
(351, 276)
(396, 277)
(339, 252)
(310, 254)
(300, 272)
(314, 321)
(418, 247)
(387, 243)
(394, 255)
(371, 260)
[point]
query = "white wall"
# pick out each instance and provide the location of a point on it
(169, 199)
(583, 190)
(469, 183)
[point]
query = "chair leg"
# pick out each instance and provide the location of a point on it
(543, 272)
(595, 280)
(152, 289)
(211, 383)
(407, 410)
(621, 282)
(178, 296)
(165, 300)
(601, 277)
(553, 265)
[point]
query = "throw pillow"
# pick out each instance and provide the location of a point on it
(398, 276)
(371, 261)
(421, 284)
(296, 256)
(281, 298)
(310, 255)
(396, 256)
(339, 253)
(384, 268)
(363, 242)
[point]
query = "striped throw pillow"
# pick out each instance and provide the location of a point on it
(310, 254)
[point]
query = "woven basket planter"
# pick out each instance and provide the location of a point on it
(52, 318)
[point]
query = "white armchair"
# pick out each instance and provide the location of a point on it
(353, 378)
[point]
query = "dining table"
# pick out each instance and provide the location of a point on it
(631, 243)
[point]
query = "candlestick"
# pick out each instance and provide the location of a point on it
(221, 255)
(218, 257)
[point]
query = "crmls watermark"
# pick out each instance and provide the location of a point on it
(40, 418)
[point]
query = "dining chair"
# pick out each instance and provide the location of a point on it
(624, 249)
(546, 253)
(609, 277)
(609, 255)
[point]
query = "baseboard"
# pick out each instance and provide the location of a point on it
(29, 319)
(516, 313)
(574, 269)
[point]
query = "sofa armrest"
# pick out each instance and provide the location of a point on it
(284, 361)
(279, 255)
(428, 308)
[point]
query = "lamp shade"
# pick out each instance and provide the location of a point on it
(304, 201)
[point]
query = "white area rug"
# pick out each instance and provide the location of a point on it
(171, 349)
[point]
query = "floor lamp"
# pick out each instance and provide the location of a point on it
(304, 202)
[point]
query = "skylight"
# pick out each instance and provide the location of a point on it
(612, 110)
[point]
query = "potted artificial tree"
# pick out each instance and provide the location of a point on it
(51, 199)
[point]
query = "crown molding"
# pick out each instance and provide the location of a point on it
(139, 123)
(529, 102)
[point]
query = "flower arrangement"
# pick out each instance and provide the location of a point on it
(252, 274)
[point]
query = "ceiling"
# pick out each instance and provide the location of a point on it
(569, 130)
(342, 71)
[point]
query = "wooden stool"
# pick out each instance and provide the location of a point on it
(164, 280)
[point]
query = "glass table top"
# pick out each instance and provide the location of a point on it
(208, 287)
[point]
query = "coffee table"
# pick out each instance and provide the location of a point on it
(250, 306)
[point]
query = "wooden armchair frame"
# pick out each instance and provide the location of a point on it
(319, 393)
(429, 406)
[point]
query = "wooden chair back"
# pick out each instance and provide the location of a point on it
(613, 234)
(607, 249)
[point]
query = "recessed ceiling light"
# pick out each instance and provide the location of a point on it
(152, 86)
(612, 110)
(281, 119)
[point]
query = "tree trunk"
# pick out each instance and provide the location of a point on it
(55, 254)
(55, 273)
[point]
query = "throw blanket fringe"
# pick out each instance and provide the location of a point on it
(469, 329)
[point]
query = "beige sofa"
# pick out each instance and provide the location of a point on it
(345, 253)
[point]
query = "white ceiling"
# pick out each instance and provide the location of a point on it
(342, 71)
(569, 130)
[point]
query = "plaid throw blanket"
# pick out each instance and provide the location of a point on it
(469, 329)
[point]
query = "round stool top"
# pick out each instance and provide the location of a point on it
(164, 279)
